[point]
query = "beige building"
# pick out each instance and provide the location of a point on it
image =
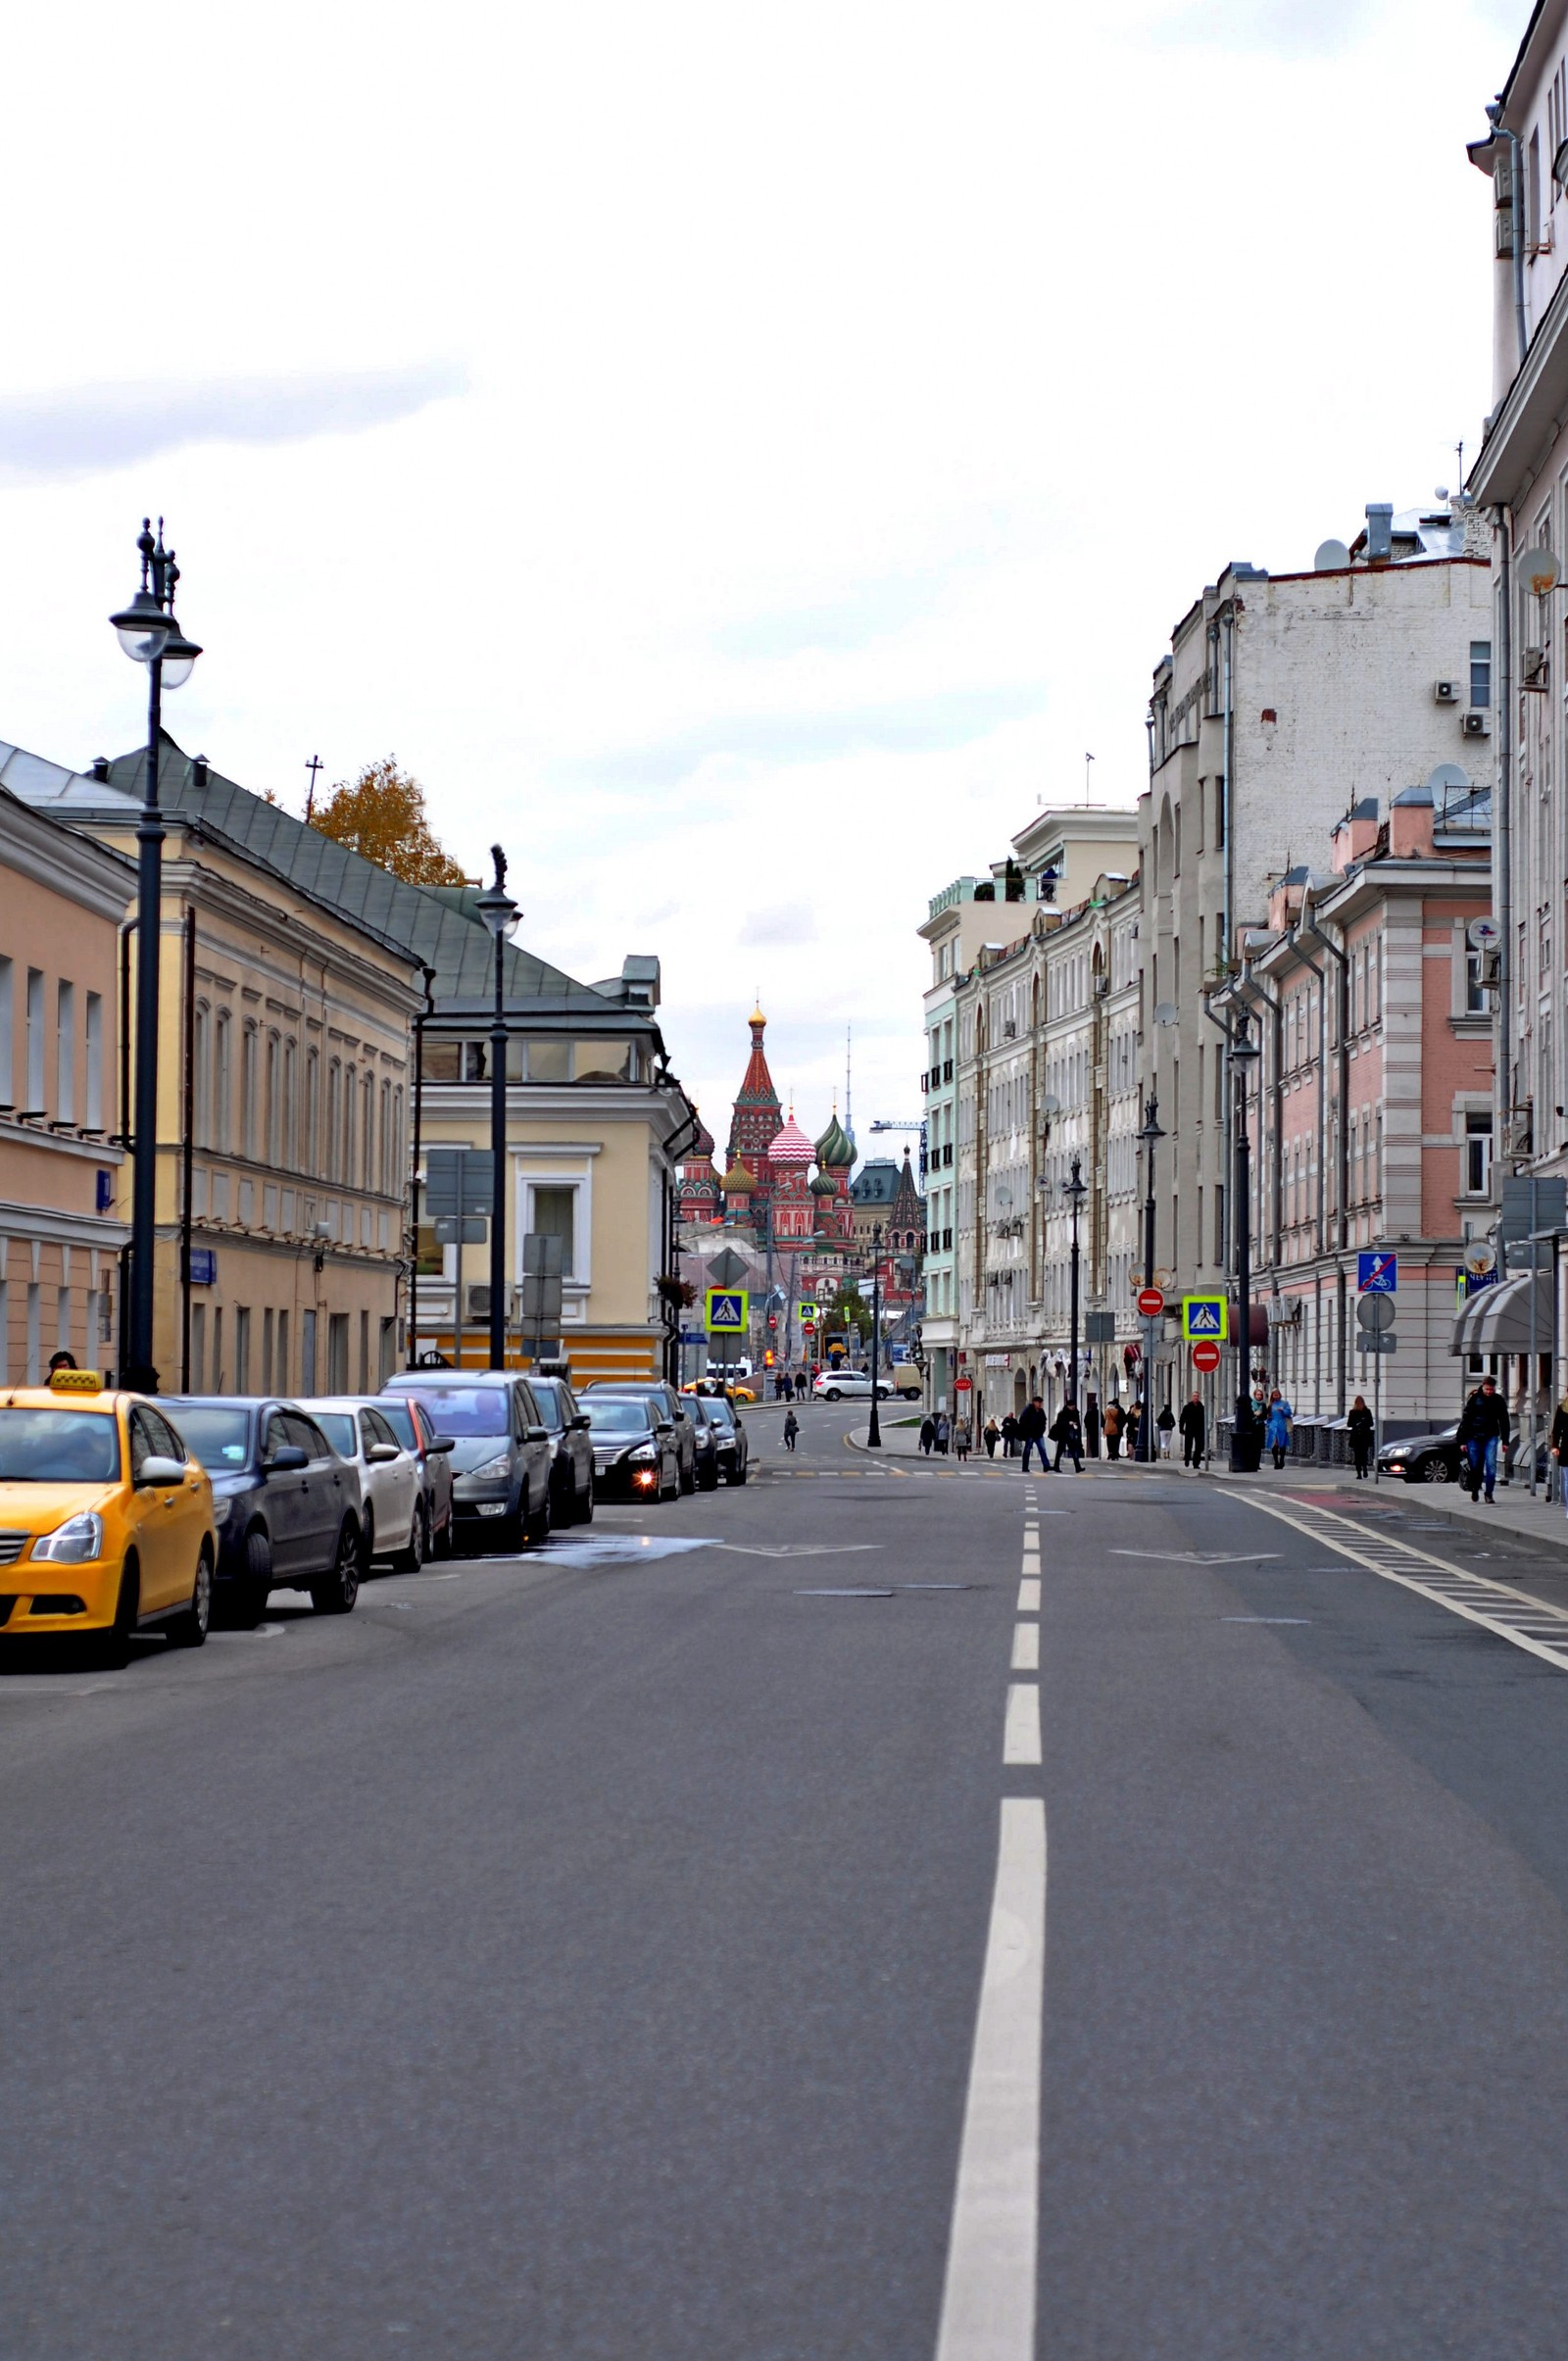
(283, 1091)
(64, 1178)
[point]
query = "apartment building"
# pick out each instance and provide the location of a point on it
(63, 1194)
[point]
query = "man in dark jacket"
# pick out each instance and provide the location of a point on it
(1068, 1436)
(1483, 1426)
(1032, 1432)
(1193, 1424)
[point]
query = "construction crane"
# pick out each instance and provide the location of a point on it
(884, 1124)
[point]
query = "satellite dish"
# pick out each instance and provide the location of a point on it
(1051, 1104)
(1332, 558)
(1538, 570)
(1448, 776)
(1478, 1258)
(1166, 1013)
(1482, 934)
(1440, 491)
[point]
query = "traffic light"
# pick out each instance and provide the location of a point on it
(768, 1359)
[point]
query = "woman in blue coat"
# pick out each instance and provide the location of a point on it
(1277, 1430)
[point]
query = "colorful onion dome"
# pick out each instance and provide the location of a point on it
(790, 1146)
(835, 1150)
(736, 1181)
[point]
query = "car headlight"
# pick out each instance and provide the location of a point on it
(641, 1455)
(493, 1469)
(73, 1542)
(221, 1511)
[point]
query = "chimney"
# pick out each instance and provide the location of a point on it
(1410, 825)
(197, 771)
(1355, 836)
(100, 766)
(1379, 531)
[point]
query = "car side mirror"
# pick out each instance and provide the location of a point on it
(579, 1425)
(664, 1426)
(285, 1460)
(379, 1453)
(536, 1434)
(155, 1470)
(446, 1442)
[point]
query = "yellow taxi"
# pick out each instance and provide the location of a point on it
(106, 1520)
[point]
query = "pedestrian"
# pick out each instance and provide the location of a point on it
(1192, 1423)
(1068, 1436)
(1030, 1428)
(944, 1433)
(1277, 1427)
(1092, 1425)
(1166, 1423)
(960, 1436)
(991, 1436)
(929, 1433)
(1483, 1426)
(1010, 1434)
(1359, 1425)
(792, 1427)
(1134, 1422)
(787, 1383)
(1559, 1448)
(1114, 1422)
(61, 1361)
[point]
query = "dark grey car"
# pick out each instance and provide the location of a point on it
(665, 1404)
(288, 1510)
(722, 1447)
(501, 1453)
(571, 1474)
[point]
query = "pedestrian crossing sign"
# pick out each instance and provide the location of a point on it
(726, 1311)
(1204, 1319)
(806, 1310)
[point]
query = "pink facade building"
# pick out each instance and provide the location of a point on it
(1371, 1109)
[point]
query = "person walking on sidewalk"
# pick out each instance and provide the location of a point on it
(1277, 1427)
(1483, 1427)
(960, 1436)
(1359, 1427)
(929, 1433)
(1114, 1430)
(1166, 1423)
(991, 1436)
(792, 1427)
(1559, 1448)
(1009, 1435)
(944, 1433)
(1067, 1435)
(1092, 1425)
(1031, 1426)
(1193, 1424)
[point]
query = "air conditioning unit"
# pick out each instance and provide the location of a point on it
(1518, 1135)
(1533, 671)
(1445, 692)
(1009, 1030)
(477, 1300)
(1476, 725)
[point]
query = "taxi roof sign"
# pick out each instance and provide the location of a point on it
(76, 1381)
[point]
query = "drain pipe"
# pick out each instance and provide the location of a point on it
(1503, 843)
(1305, 956)
(1516, 220)
(1342, 1158)
(1276, 1178)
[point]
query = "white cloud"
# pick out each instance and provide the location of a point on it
(850, 402)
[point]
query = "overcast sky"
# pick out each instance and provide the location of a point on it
(742, 458)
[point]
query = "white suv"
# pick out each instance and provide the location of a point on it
(849, 1385)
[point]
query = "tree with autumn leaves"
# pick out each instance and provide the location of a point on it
(381, 814)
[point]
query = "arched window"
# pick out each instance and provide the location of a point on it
(274, 1100)
(249, 1055)
(368, 1132)
(334, 1121)
(291, 1111)
(222, 1033)
(312, 1110)
(202, 1059)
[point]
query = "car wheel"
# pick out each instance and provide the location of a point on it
(242, 1604)
(833, 1394)
(686, 1478)
(441, 1538)
(735, 1475)
(189, 1630)
(709, 1479)
(672, 1491)
(336, 1594)
(1434, 1469)
(585, 1503)
(564, 1508)
(536, 1528)
(112, 1648)
(411, 1559)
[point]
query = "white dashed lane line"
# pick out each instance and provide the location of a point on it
(1020, 1737)
(1029, 1595)
(1026, 1647)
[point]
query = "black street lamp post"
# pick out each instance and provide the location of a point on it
(874, 1433)
(499, 912)
(149, 635)
(1151, 1135)
(1074, 1189)
(1245, 1441)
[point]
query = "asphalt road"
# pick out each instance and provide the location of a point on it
(577, 1957)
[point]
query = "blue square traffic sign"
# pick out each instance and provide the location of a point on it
(1377, 1274)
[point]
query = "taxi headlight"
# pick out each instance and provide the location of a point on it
(73, 1542)
(494, 1470)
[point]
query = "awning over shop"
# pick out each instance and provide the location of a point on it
(1498, 1320)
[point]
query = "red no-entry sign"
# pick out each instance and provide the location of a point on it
(1206, 1357)
(961, 1385)
(1151, 1303)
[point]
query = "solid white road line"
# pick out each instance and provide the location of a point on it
(1020, 1737)
(1029, 1595)
(1026, 1647)
(988, 2298)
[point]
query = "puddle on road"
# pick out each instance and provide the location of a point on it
(624, 1545)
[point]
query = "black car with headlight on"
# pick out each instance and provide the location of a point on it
(635, 1450)
(1423, 1458)
(722, 1448)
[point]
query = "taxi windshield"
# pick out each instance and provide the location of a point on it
(59, 1447)
(218, 1439)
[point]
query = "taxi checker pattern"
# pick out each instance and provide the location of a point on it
(105, 1523)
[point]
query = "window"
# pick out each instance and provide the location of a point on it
(1476, 1178)
(35, 1102)
(248, 1066)
(1480, 672)
(267, 1352)
(368, 1132)
(201, 1059)
(242, 1350)
(337, 1353)
(312, 1137)
(65, 1051)
(274, 1117)
(554, 1215)
(8, 1019)
(222, 1040)
(94, 1109)
(334, 1118)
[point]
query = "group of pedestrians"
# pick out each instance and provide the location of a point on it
(938, 1432)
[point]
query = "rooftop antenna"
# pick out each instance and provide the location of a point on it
(849, 1117)
(313, 766)
(1087, 759)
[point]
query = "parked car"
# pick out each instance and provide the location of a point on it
(288, 1510)
(667, 1403)
(415, 1428)
(849, 1385)
(500, 1452)
(390, 1485)
(1423, 1458)
(907, 1381)
(722, 1448)
(105, 1518)
(635, 1449)
(571, 1473)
